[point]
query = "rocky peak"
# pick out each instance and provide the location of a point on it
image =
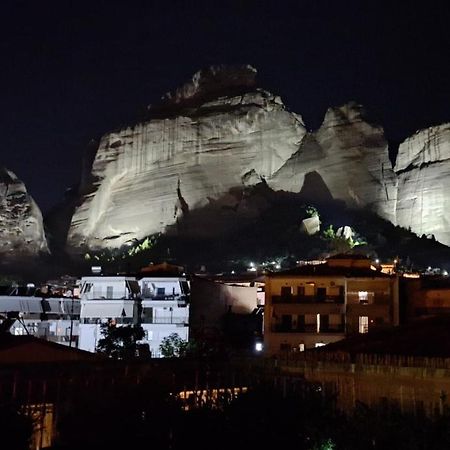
(21, 224)
(347, 114)
(424, 147)
(213, 82)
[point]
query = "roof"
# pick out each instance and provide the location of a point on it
(427, 337)
(162, 269)
(324, 270)
(29, 350)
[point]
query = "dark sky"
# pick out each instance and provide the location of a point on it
(72, 70)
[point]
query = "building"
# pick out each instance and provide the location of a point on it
(425, 296)
(158, 301)
(227, 310)
(314, 305)
(165, 308)
(40, 313)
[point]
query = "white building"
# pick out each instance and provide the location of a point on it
(164, 302)
(165, 309)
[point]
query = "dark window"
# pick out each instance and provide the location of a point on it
(321, 293)
(324, 322)
(301, 291)
(286, 291)
(160, 292)
(301, 322)
(286, 322)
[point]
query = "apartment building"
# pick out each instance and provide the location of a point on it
(313, 305)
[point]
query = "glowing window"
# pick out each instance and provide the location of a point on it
(363, 297)
(363, 324)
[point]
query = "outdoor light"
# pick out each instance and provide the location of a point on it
(258, 346)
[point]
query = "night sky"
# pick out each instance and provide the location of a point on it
(72, 71)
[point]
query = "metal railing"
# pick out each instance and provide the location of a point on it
(307, 299)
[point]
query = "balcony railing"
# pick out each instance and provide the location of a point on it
(307, 329)
(182, 299)
(166, 320)
(276, 299)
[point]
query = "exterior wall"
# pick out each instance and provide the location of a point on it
(304, 311)
(211, 300)
(381, 307)
(89, 336)
(422, 301)
(154, 335)
(165, 309)
(372, 379)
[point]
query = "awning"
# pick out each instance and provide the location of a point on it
(20, 304)
(106, 309)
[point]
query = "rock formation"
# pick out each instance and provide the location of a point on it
(146, 176)
(218, 134)
(351, 156)
(423, 171)
(21, 226)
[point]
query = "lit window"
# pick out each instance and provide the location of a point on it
(363, 297)
(258, 346)
(319, 344)
(301, 347)
(363, 324)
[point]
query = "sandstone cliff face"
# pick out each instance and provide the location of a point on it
(352, 158)
(21, 225)
(423, 170)
(219, 133)
(148, 175)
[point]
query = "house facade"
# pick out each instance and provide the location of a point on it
(315, 305)
(159, 304)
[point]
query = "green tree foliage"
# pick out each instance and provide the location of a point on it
(339, 243)
(120, 341)
(311, 211)
(173, 346)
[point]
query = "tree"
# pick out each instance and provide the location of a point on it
(120, 342)
(173, 346)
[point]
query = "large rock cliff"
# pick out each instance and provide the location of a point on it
(209, 139)
(21, 226)
(423, 171)
(146, 176)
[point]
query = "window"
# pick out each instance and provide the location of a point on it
(286, 291)
(148, 335)
(160, 292)
(321, 293)
(109, 292)
(87, 288)
(363, 297)
(301, 291)
(286, 322)
(301, 347)
(319, 344)
(363, 324)
(324, 321)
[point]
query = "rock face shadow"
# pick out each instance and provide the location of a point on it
(315, 189)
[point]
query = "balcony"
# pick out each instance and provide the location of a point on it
(280, 328)
(283, 299)
(181, 321)
(182, 300)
